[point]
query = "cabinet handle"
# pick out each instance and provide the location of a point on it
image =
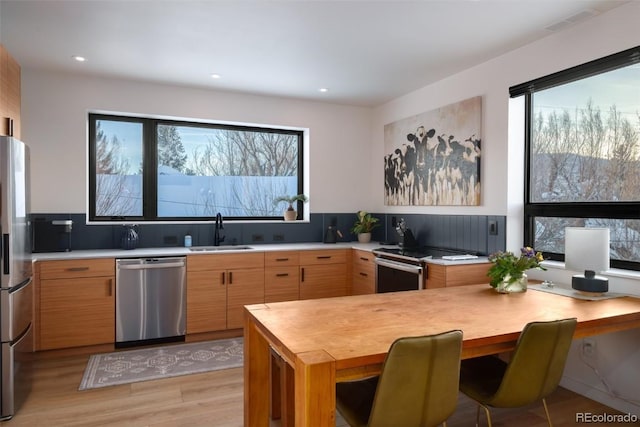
(223, 277)
(282, 259)
(364, 274)
(302, 274)
(364, 258)
(10, 126)
(282, 274)
(78, 269)
(230, 278)
(324, 257)
(110, 288)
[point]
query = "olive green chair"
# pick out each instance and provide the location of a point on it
(533, 372)
(417, 387)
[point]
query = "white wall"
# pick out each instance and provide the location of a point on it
(54, 124)
(502, 163)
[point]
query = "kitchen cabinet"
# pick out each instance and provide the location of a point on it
(441, 275)
(218, 288)
(363, 278)
(206, 301)
(9, 95)
(281, 276)
(75, 303)
(323, 273)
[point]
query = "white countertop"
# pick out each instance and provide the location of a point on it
(182, 251)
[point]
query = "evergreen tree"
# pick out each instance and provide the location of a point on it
(171, 151)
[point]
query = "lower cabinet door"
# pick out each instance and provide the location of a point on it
(244, 287)
(323, 281)
(77, 312)
(206, 301)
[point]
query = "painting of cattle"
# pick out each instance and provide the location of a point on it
(433, 158)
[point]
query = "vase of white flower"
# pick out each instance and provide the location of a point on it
(507, 286)
(508, 275)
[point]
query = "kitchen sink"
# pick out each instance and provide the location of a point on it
(219, 248)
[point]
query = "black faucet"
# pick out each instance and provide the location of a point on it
(216, 232)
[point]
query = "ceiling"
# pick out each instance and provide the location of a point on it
(365, 52)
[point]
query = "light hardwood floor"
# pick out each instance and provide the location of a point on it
(210, 399)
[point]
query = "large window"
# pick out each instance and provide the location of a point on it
(582, 163)
(157, 170)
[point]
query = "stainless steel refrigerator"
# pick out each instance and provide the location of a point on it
(16, 291)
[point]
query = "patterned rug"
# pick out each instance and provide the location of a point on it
(152, 363)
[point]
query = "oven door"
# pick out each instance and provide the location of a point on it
(393, 276)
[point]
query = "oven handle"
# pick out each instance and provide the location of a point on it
(414, 269)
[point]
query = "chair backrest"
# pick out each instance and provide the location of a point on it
(418, 385)
(537, 364)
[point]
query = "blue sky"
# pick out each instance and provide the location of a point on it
(619, 87)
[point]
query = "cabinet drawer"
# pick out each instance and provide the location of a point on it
(363, 279)
(363, 285)
(69, 269)
(335, 256)
(225, 261)
(366, 271)
(470, 274)
(278, 258)
(362, 259)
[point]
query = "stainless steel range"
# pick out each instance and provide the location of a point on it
(405, 269)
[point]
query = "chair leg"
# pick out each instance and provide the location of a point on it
(546, 411)
(486, 410)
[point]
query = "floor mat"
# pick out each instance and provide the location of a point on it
(153, 363)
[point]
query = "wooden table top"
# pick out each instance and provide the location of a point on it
(358, 330)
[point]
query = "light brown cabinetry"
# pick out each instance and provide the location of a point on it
(323, 273)
(281, 276)
(9, 94)
(219, 286)
(363, 278)
(440, 275)
(75, 303)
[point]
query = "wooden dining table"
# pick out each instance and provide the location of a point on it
(328, 340)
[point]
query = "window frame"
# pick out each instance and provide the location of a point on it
(608, 210)
(150, 167)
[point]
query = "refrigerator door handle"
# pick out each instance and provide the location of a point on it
(6, 262)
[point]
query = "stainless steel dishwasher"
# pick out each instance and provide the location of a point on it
(150, 300)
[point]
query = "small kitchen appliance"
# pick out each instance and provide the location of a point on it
(52, 235)
(332, 234)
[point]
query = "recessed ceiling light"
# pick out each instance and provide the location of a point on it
(79, 58)
(323, 89)
(215, 76)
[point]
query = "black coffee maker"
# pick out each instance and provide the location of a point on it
(51, 235)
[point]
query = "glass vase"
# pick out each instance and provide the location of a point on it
(519, 285)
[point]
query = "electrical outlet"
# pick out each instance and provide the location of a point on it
(257, 238)
(170, 240)
(588, 348)
(278, 237)
(493, 228)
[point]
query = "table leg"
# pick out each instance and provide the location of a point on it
(288, 398)
(276, 385)
(282, 391)
(256, 375)
(315, 390)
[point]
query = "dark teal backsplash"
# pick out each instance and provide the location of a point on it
(463, 232)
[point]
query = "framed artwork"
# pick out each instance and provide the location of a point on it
(433, 158)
